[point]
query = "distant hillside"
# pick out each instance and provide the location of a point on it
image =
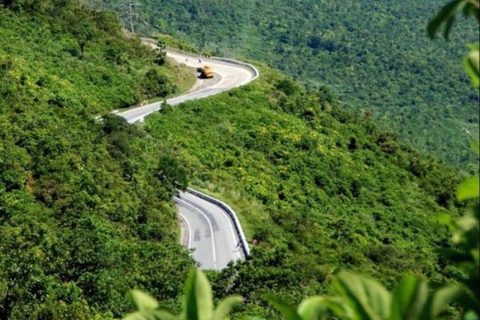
(374, 55)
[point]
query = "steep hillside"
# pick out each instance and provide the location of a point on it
(319, 188)
(85, 205)
(374, 55)
(83, 217)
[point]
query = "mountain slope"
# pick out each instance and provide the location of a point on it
(374, 55)
(83, 217)
(319, 188)
(85, 205)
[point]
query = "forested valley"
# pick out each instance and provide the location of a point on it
(373, 55)
(85, 198)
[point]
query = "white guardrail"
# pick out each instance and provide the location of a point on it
(231, 213)
(252, 68)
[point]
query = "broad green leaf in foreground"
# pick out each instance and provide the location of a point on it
(409, 299)
(320, 308)
(225, 306)
(288, 311)
(198, 297)
(147, 308)
(472, 65)
(142, 301)
(449, 14)
(468, 189)
(368, 299)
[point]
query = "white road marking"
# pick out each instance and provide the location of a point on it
(189, 230)
(231, 227)
(210, 225)
(231, 76)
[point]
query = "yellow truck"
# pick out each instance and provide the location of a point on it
(206, 72)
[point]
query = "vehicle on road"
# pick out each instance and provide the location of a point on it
(206, 72)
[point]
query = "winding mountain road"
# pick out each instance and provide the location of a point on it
(209, 231)
(229, 74)
(207, 228)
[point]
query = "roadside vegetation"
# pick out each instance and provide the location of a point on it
(85, 204)
(373, 55)
(319, 188)
(85, 210)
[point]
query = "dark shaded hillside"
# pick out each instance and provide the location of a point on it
(374, 55)
(82, 217)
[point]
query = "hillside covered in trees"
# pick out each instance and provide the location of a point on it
(85, 205)
(373, 55)
(320, 189)
(82, 217)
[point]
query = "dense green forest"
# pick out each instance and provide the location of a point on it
(84, 216)
(374, 55)
(319, 188)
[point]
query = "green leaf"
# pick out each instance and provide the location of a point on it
(443, 298)
(142, 301)
(475, 147)
(468, 189)
(136, 316)
(198, 297)
(368, 299)
(409, 299)
(320, 308)
(226, 306)
(313, 309)
(287, 310)
(471, 315)
(446, 15)
(472, 65)
(151, 315)
(164, 315)
(448, 27)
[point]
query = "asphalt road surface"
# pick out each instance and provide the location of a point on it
(209, 231)
(227, 76)
(206, 228)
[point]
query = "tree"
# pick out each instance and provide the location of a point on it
(366, 299)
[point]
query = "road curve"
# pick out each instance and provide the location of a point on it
(210, 233)
(228, 75)
(207, 229)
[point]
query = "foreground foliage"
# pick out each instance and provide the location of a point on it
(197, 305)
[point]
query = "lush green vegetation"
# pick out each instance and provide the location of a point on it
(85, 210)
(374, 55)
(359, 298)
(319, 188)
(362, 298)
(83, 216)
